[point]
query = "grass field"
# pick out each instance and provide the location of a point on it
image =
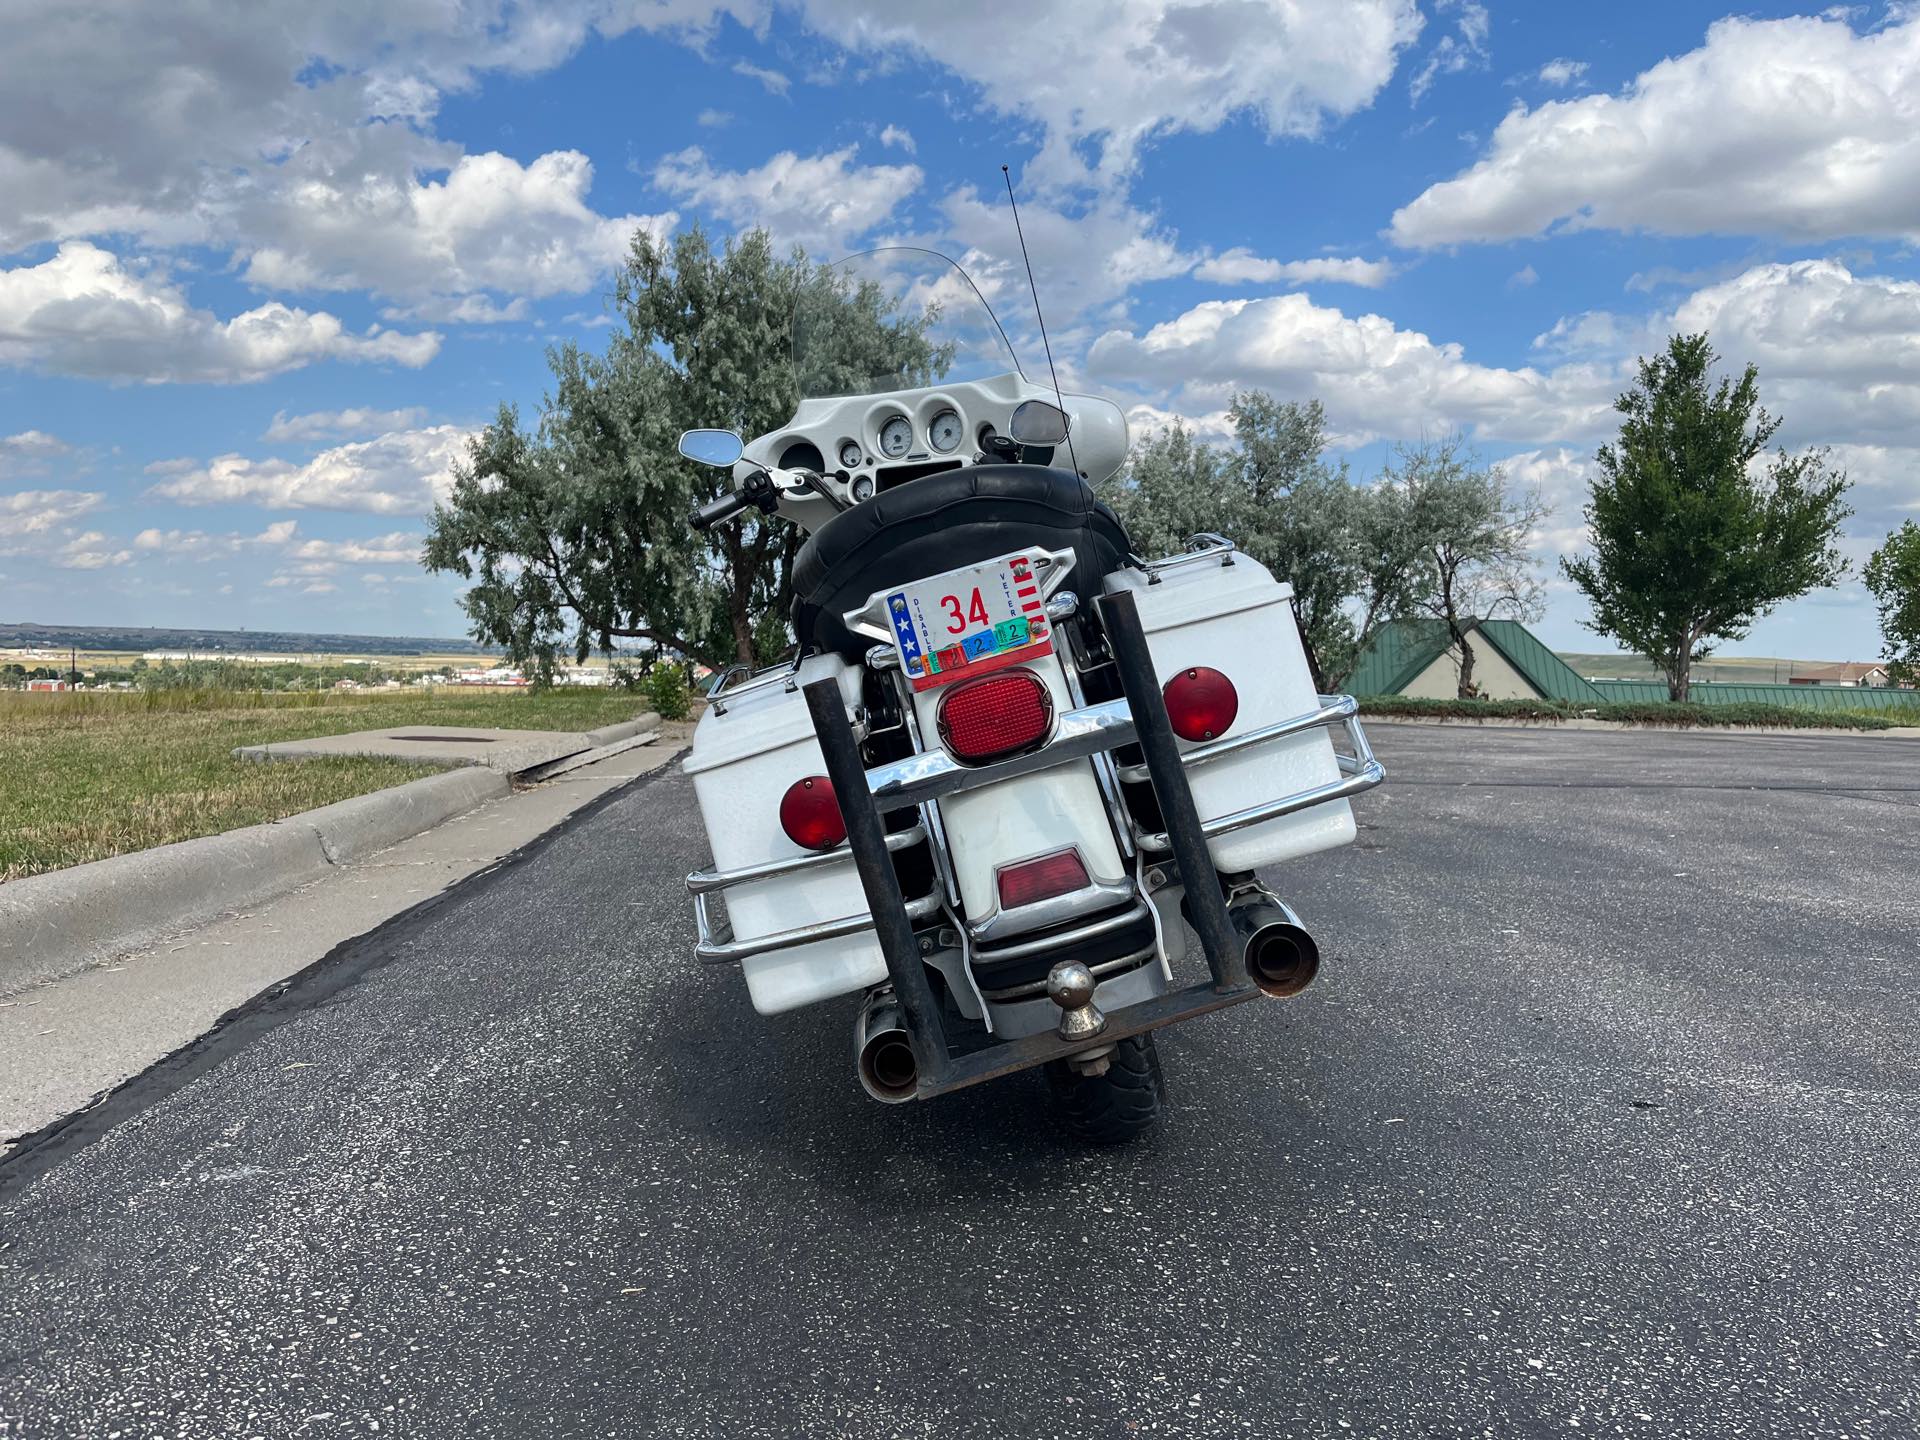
(85, 776)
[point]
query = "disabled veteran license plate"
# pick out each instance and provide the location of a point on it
(969, 622)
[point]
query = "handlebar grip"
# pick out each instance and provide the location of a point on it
(714, 511)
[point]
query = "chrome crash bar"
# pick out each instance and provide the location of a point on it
(703, 883)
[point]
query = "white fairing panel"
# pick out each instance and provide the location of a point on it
(1237, 619)
(746, 752)
(1025, 818)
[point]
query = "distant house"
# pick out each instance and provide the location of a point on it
(49, 685)
(1417, 658)
(1853, 672)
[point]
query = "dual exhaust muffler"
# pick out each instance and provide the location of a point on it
(882, 1051)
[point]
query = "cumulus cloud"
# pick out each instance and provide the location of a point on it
(1562, 73)
(1240, 266)
(89, 551)
(84, 313)
(1795, 127)
(338, 424)
(29, 451)
(1145, 67)
(38, 512)
(400, 473)
(492, 224)
(822, 201)
(1374, 378)
(895, 136)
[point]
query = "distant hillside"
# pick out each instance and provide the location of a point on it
(1730, 669)
(281, 642)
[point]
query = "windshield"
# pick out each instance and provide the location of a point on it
(893, 319)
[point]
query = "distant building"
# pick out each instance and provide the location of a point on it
(49, 685)
(1417, 658)
(1852, 672)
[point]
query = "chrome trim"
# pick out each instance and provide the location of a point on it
(1206, 545)
(1361, 770)
(1334, 710)
(916, 779)
(714, 952)
(1100, 971)
(702, 881)
(1098, 895)
(1106, 771)
(1062, 606)
(1092, 930)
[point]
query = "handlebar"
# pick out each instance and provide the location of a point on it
(714, 511)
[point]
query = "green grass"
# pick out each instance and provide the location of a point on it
(1784, 717)
(85, 776)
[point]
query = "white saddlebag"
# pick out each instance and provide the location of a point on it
(747, 749)
(1235, 618)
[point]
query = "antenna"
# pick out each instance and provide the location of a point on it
(1048, 344)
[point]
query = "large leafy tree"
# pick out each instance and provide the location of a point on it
(1462, 536)
(1893, 575)
(575, 531)
(1693, 539)
(1281, 502)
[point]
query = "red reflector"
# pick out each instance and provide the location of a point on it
(1060, 873)
(996, 715)
(1201, 703)
(810, 815)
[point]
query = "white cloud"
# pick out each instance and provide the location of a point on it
(1240, 266)
(1464, 49)
(39, 512)
(1525, 278)
(774, 82)
(1794, 127)
(1374, 378)
(713, 119)
(1140, 68)
(491, 224)
(89, 551)
(83, 313)
(29, 451)
(401, 473)
(1562, 73)
(398, 548)
(900, 138)
(338, 424)
(823, 202)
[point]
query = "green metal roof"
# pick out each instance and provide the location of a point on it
(1400, 650)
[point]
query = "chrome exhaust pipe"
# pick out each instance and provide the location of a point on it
(882, 1053)
(1281, 956)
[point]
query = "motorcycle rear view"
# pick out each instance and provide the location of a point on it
(1016, 785)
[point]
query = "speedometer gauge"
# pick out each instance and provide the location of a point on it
(944, 433)
(896, 437)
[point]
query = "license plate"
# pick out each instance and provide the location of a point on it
(969, 622)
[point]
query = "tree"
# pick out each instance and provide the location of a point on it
(1459, 547)
(1690, 544)
(1893, 575)
(1280, 502)
(580, 525)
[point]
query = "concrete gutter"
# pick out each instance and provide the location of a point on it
(511, 752)
(1516, 722)
(56, 924)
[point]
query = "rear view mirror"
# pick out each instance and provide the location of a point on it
(712, 447)
(1038, 423)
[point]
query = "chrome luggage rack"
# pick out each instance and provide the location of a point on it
(1139, 719)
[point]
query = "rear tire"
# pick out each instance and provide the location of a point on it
(1112, 1108)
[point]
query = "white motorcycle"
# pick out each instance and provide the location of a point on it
(1018, 778)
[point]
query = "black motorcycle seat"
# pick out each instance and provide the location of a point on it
(940, 523)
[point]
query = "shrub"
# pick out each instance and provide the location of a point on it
(1629, 712)
(668, 692)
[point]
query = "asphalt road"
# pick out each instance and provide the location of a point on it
(1603, 1119)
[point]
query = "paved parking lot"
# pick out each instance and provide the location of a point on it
(1603, 1119)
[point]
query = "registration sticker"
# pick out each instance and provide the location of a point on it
(969, 622)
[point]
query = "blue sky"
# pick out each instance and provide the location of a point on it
(263, 269)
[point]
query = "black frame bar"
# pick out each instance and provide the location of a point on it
(940, 1069)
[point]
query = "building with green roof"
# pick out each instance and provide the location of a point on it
(1415, 657)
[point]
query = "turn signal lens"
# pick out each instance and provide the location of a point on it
(810, 814)
(996, 715)
(1031, 881)
(1201, 703)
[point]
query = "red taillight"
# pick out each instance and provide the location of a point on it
(996, 715)
(1060, 873)
(1201, 703)
(810, 815)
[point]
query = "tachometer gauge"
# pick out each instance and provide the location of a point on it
(896, 437)
(945, 432)
(850, 456)
(863, 488)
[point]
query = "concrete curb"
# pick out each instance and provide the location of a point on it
(609, 734)
(55, 924)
